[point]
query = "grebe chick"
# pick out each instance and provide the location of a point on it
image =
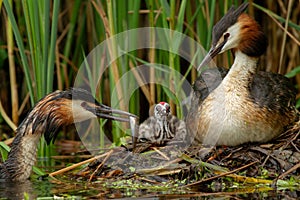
(245, 105)
(162, 126)
(57, 109)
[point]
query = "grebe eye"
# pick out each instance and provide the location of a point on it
(226, 36)
(167, 107)
(84, 104)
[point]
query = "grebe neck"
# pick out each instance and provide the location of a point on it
(243, 68)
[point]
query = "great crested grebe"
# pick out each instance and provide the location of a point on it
(243, 105)
(57, 109)
(162, 126)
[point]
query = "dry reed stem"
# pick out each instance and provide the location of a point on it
(151, 57)
(79, 164)
(161, 153)
(156, 169)
(6, 118)
(294, 168)
(140, 82)
(109, 30)
(12, 73)
(101, 165)
(283, 45)
(287, 32)
(221, 175)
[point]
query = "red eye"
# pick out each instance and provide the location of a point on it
(168, 108)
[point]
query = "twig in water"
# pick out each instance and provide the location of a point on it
(161, 153)
(101, 164)
(221, 175)
(295, 167)
(77, 164)
(155, 169)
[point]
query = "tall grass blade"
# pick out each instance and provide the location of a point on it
(20, 44)
(50, 65)
(12, 73)
(46, 32)
(281, 19)
(210, 23)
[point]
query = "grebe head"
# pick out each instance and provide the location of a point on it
(67, 107)
(237, 31)
(161, 110)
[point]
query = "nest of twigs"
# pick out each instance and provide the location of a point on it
(198, 165)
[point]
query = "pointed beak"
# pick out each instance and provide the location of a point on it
(106, 112)
(214, 50)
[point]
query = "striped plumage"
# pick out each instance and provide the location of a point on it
(57, 109)
(162, 126)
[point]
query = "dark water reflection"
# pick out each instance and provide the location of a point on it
(74, 189)
(12, 190)
(69, 186)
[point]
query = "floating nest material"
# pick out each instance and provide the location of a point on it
(209, 168)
